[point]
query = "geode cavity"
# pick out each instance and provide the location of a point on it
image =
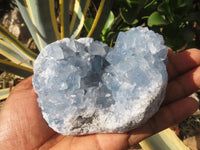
(85, 87)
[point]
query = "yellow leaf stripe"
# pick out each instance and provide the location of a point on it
(6, 54)
(16, 65)
(29, 10)
(76, 8)
(96, 18)
(10, 56)
(17, 44)
(81, 16)
(53, 18)
(64, 17)
(62, 28)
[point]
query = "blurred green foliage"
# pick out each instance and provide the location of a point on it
(177, 20)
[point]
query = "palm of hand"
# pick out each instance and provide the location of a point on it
(22, 126)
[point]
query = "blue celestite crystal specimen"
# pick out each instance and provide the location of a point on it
(85, 87)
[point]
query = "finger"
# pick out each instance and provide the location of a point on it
(182, 62)
(167, 116)
(25, 84)
(183, 86)
(170, 53)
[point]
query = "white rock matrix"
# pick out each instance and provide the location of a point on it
(86, 87)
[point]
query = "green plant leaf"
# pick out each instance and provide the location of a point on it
(88, 24)
(78, 17)
(15, 68)
(64, 18)
(42, 16)
(7, 51)
(127, 3)
(109, 23)
(164, 7)
(156, 19)
(130, 13)
(16, 44)
(27, 19)
(4, 93)
(167, 8)
(100, 19)
(174, 36)
(184, 3)
(150, 3)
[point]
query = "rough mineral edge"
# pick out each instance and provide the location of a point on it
(85, 87)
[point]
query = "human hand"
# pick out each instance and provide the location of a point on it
(23, 128)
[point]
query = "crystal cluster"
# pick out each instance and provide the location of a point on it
(86, 87)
